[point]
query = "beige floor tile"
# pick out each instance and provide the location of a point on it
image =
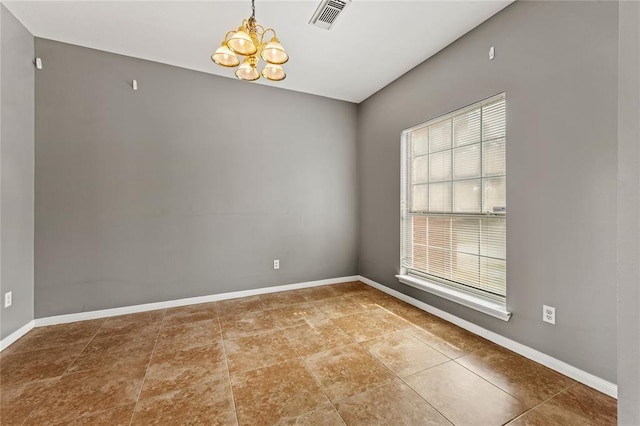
(426, 321)
(57, 335)
(114, 365)
(271, 394)
(350, 287)
(404, 354)
(527, 381)
(190, 314)
(88, 392)
(40, 364)
(449, 332)
(400, 308)
(258, 351)
(111, 352)
(17, 401)
(370, 299)
(339, 306)
(208, 403)
(327, 416)
(171, 371)
(449, 339)
(251, 322)
(188, 335)
(579, 405)
(240, 306)
(314, 294)
(281, 299)
(292, 315)
(141, 324)
(309, 339)
(345, 371)
(174, 366)
(463, 397)
(119, 416)
(391, 404)
(367, 325)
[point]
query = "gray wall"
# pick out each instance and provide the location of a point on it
(629, 216)
(155, 195)
(557, 63)
(16, 157)
(162, 193)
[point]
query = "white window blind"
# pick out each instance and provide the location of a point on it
(454, 199)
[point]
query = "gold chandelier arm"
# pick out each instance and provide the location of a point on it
(259, 32)
(226, 36)
(265, 33)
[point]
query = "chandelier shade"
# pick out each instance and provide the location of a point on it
(247, 71)
(274, 53)
(273, 72)
(241, 43)
(225, 57)
(249, 41)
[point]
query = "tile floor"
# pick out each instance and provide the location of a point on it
(331, 355)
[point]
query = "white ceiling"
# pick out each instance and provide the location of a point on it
(372, 43)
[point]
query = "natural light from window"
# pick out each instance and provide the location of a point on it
(454, 207)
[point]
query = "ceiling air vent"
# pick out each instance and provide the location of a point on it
(328, 12)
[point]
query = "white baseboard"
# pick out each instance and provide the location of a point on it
(581, 376)
(104, 313)
(7, 341)
(562, 367)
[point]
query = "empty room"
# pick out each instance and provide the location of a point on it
(323, 212)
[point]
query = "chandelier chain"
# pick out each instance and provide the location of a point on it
(253, 8)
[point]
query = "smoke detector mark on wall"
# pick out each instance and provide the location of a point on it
(328, 12)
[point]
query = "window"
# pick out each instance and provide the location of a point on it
(454, 205)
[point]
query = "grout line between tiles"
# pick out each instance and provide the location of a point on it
(85, 347)
(505, 391)
(425, 369)
(360, 344)
(488, 381)
(302, 360)
(405, 383)
(540, 403)
(146, 371)
(280, 329)
(454, 361)
(321, 389)
(48, 394)
(226, 362)
(385, 335)
(443, 341)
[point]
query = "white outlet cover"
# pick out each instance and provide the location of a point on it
(276, 264)
(7, 299)
(549, 314)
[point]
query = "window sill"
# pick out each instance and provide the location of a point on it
(485, 306)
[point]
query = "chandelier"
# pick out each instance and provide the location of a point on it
(248, 41)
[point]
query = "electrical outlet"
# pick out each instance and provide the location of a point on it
(7, 299)
(549, 314)
(276, 264)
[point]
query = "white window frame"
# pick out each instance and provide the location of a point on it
(471, 298)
